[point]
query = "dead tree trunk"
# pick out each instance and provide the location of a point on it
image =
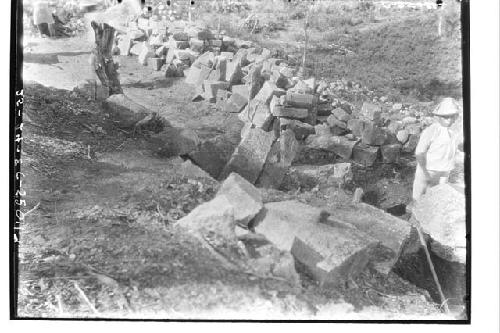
(104, 66)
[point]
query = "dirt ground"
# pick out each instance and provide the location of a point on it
(102, 241)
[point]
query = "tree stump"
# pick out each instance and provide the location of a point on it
(103, 64)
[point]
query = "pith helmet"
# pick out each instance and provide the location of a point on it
(447, 107)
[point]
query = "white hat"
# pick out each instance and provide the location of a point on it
(447, 107)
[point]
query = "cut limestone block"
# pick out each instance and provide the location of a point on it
(273, 172)
(211, 88)
(300, 129)
(156, 63)
(235, 103)
(206, 59)
(301, 100)
(371, 111)
(250, 155)
(356, 126)
(196, 45)
(233, 73)
(441, 214)
(333, 254)
(180, 36)
(281, 222)
(267, 92)
(245, 198)
(222, 99)
(365, 154)
(341, 115)
(242, 90)
(335, 122)
(373, 135)
(390, 153)
(336, 144)
(259, 114)
(290, 112)
(125, 112)
(322, 130)
(193, 75)
(289, 147)
(391, 231)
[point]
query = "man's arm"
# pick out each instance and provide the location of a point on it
(422, 161)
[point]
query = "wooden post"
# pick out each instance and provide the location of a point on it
(104, 66)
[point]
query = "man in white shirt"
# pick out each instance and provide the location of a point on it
(437, 149)
(42, 18)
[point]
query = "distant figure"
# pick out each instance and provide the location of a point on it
(436, 149)
(42, 18)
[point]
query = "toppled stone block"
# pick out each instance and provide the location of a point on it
(212, 155)
(245, 198)
(222, 99)
(259, 114)
(156, 63)
(301, 100)
(273, 172)
(196, 45)
(227, 55)
(233, 73)
(206, 59)
(281, 222)
(391, 231)
(356, 126)
(180, 36)
(373, 135)
(390, 153)
(322, 130)
(342, 173)
(193, 75)
(371, 111)
(267, 92)
(335, 122)
(336, 144)
(441, 214)
(300, 129)
(365, 154)
(333, 254)
(125, 112)
(211, 88)
(290, 112)
(249, 157)
(235, 103)
(341, 115)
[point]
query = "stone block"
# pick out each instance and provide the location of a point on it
(222, 99)
(322, 130)
(211, 87)
(333, 121)
(336, 144)
(290, 112)
(301, 100)
(341, 115)
(249, 157)
(210, 156)
(390, 153)
(356, 126)
(235, 103)
(206, 34)
(333, 254)
(180, 36)
(196, 45)
(365, 154)
(273, 172)
(156, 63)
(233, 73)
(193, 75)
(300, 129)
(242, 90)
(281, 222)
(373, 135)
(371, 111)
(227, 55)
(267, 92)
(245, 198)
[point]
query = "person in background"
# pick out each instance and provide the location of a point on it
(42, 18)
(437, 149)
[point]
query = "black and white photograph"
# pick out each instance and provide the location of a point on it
(241, 160)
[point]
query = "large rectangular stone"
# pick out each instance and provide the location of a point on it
(333, 254)
(391, 231)
(301, 100)
(373, 135)
(365, 154)
(356, 126)
(249, 157)
(180, 36)
(242, 90)
(222, 99)
(156, 63)
(211, 88)
(196, 45)
(282, 221)
(246, 199)
(273, 172)
(371, 111)
(390, 153)
(235, 103)
(233, 73)
(336, 144)
(290, 112)
(193, 75)
(267, 92)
